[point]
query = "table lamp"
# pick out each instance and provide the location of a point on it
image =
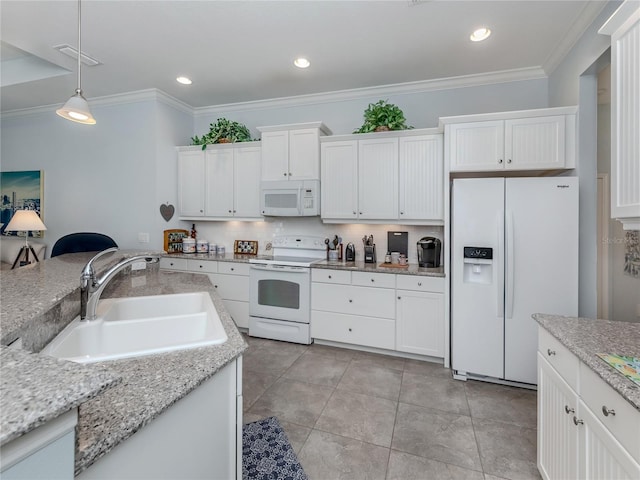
(25, 221)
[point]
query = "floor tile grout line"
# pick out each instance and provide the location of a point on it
(473, 428)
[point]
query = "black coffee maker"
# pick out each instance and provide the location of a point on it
(429, 252)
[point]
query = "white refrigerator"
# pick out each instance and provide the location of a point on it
(514, 252)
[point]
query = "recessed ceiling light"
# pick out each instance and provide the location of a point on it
(301, 62)
(184, 80)
(480, 34)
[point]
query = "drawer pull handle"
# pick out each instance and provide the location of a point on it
(550, 352)
(419, 284)
(577, 421)
(329, 276)
(399, 298)
(608, 411)
(349, 329)
(500, 161)
(215, 286)
(232, 269)
(200, 266)
(509, 161)
(350, 301)
(373, 280)
(569, 410)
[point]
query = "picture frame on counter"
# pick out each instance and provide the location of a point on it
(245, 247)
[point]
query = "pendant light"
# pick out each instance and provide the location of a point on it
(77, 108)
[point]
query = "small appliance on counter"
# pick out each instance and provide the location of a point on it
(429, 252)
(350, 253)
(369, 249)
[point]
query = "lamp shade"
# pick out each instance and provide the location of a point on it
(77, 109)
(25, 221)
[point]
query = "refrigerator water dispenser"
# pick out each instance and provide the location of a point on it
(478, 265)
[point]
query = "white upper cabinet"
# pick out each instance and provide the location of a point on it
(382, 177)
(339, 180)
(190, 183)
(292, 152)
(529, 140)
(624, 28)
(221, 182)
(421, 178)
(378, 179)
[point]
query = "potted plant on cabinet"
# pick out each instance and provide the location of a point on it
(381, 117)
(223, 131)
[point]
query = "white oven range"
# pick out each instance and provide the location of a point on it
(280, 289)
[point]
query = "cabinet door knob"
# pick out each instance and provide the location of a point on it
(401, 213)
(171, 264)
(509, 161)
(419, 284)
(399, 298)
(350, 330)
(350, 301)
(354, 212)
(373, 280)
(360, 213)
(232, 269)
(200, 266)
(550, 352)
(608, 411)
(500, 161)
(234, 211)
(200, 211)
(285, 174)
(229, 211)
(577, 421)
(569, 410)
(329, 276)
(289, 173)
(215, 286)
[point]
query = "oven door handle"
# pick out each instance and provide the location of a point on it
(279, 268)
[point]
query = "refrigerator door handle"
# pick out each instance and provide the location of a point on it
(500, 268)
(510, 270)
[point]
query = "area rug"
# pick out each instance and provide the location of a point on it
(267, 453)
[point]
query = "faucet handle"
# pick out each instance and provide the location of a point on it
(87, 271)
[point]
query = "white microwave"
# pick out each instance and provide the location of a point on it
(293, 198)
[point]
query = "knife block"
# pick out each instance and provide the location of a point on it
(370, 253)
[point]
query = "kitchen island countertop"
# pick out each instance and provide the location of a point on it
(140, 388)
(586, 337)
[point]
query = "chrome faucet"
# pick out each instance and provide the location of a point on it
(91, 287)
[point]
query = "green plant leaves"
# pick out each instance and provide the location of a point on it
(381, 114)
(223, 129)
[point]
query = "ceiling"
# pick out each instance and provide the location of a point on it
(237, 51)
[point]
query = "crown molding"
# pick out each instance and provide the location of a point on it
(530, 73)
(587, 16)
(109, 100)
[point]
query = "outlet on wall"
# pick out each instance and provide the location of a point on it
(143, 237)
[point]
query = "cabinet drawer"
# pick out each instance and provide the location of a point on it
(204, 266)
(365, 279)
(232, 268)
(231, 287)
(420, 283)
(370, 302)
(560, 358)
(331, 276)
(173, 263)
(623, 422)
(357, 330)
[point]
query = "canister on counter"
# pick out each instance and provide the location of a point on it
(219, 249)
(202, 246)
(188, 245)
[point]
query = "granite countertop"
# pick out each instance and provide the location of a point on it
(359, 266)
(36, 389)
(586, 337)
(120, 396)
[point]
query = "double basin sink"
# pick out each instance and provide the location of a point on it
(139, 326)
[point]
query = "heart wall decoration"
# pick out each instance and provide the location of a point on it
(167, 211)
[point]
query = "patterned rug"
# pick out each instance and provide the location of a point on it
(267, 453)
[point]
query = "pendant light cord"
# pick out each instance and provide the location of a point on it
(79, 45)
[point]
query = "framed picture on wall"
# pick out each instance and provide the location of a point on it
(23, 190)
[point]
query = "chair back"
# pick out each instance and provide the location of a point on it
(82, 242)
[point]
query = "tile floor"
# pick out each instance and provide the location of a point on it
(357, 415)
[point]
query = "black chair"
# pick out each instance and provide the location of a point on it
(82, 242)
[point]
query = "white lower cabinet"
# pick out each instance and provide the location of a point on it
(586, 430)
(230, 279)
(404, 313)
(420, 323)
(232, 284)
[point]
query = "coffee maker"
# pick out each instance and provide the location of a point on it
(429, 252)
